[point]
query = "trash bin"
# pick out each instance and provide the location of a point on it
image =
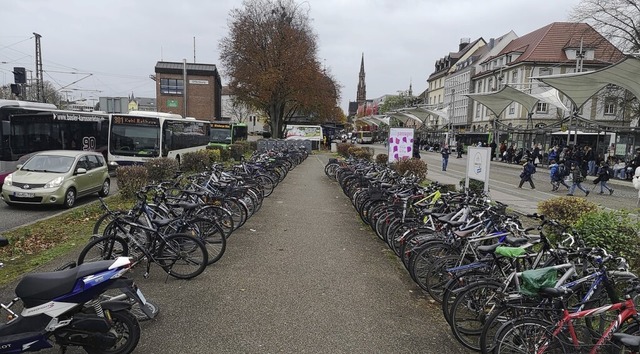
(334, 147)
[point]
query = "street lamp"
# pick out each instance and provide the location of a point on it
(452, 108)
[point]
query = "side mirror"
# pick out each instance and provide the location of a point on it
(81, 171)
(19, 166)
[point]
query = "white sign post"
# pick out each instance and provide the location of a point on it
(478, 164)
(400, 144)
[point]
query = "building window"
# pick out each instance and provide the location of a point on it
(514, 77)
(512, 108)
(477, 111)
(610, 106)
(545, 71)
(490, 88)
(171, 86)
(542, 107)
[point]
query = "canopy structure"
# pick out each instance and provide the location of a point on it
(443, 112)
(580, 87)
(498, 101)
(375, 119)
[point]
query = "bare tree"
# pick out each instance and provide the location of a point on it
(270, 56)
(51, 94)
(617, 20)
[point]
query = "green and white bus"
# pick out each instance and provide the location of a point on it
(224, 134)
(138, 136)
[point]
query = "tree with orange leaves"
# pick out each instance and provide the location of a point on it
(270, 57)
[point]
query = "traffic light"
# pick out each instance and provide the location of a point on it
(19, 75)
(15, 89)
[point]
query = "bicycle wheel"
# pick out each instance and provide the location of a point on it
(528, 335)
(103, 248)
(219, 215)
(469, 311)
(211, 234)
(495, 322)
(436, 276)
(182, 256)
(455, 284)
(237, 210)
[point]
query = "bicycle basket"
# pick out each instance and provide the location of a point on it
(535, 279)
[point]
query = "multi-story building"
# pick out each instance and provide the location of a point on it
(557, 48)
(444, 66)
(459, 83)
(189, 89)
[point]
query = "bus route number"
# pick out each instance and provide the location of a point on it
(88, 143)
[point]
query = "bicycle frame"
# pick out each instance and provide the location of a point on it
(627, 310)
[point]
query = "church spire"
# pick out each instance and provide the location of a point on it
(361, 96)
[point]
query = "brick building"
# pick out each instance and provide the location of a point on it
(197, 85)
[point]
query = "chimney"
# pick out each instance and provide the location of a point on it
(492, 43)
(463, 43)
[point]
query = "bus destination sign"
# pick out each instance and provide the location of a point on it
(221, 125)
(78, 118)
(135, 120)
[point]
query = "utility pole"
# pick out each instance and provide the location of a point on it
(574, 109)
(39, 77)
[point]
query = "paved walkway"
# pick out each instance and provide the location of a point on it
(302, 276)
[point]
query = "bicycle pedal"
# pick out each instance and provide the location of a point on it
(146, 275)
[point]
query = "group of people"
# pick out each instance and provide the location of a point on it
(569, 166)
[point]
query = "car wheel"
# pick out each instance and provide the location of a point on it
(106, 187)
(70, 198)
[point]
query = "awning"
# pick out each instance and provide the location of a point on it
(580, 87)
(375, 119)
(498, 101)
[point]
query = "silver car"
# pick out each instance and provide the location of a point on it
(57, 177)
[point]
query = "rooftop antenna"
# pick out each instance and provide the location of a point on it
(161, 55)
(194, 49)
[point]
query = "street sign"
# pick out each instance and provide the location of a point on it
(478, 163)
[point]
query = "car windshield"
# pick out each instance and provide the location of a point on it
(48, 163)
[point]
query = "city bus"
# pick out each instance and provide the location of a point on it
(29, 127)
(363, 137)
(224, 134)
(140, 135)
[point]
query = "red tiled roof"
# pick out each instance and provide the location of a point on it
(547, 44)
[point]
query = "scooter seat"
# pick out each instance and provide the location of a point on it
(39, 288)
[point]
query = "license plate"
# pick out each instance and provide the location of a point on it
(144, 301)
(24, 194)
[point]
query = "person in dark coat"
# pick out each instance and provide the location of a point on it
(603, 177)
(493, 147)
(528, 169)
(445, 157)
(416, 150)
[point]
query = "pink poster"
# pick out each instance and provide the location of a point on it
(400, 143)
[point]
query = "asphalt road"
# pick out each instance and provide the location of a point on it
(303, 275)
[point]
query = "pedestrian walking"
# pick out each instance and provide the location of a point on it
(604, 173)
(459, 148)
(576, 180)
(445, 157)
(416, 150)
(556, 176)
(528, 169)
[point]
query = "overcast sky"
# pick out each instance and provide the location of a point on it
(119, 42)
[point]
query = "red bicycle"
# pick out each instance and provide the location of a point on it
(577, 332)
